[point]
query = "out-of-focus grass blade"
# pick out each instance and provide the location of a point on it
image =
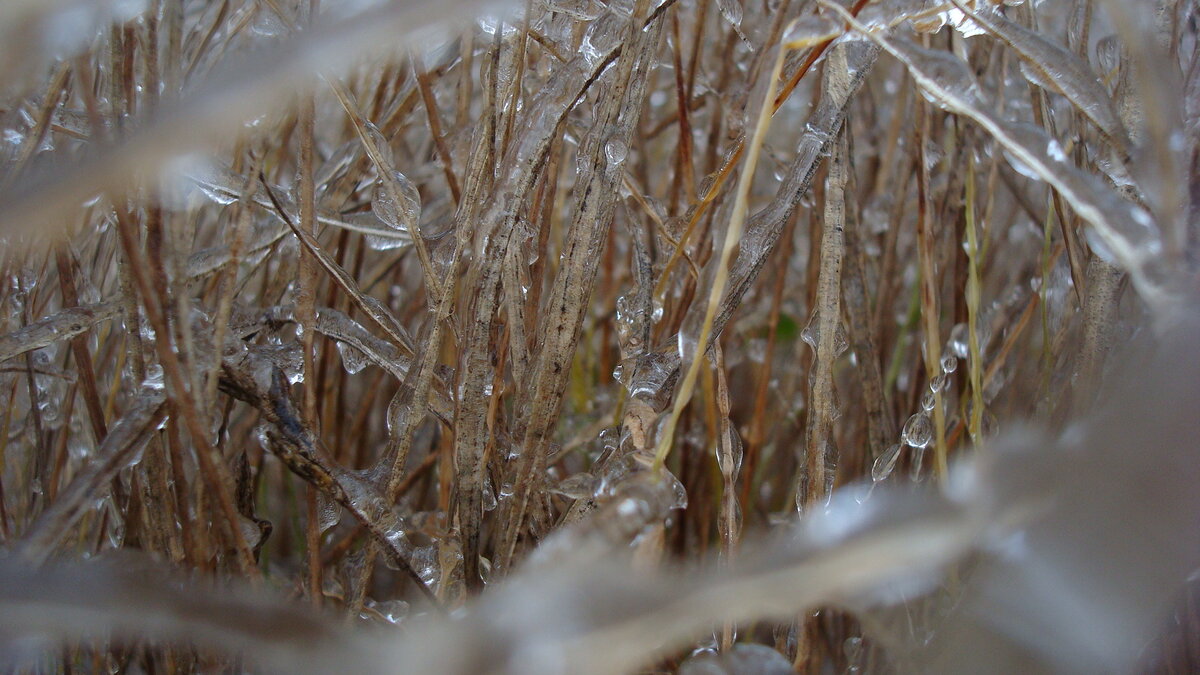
(248, 86)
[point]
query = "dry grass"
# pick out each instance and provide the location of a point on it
(582, 336)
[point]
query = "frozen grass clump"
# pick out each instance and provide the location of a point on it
(591, 337)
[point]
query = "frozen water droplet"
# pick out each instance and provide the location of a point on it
(397, 202)
(958, 341)
(215, 196)
(731, 10)
(949, 363)
(489, 495)
(885, 463)
(267, 24)
(818, 134)
(645, 377)
(579, 486)
(625, 317)
(398, 540)
(632, 508)
(287, 357)
(812, 335)
(1108, 53)
(251, 532)
(380, 142)
(918, 430)
(938, 382)
(615, 151)
(154, 377)
(485, 570)
(656, 310)
(609, 438)
(601, 38)
(263, 433)
(852, 647)
(928, 400)
(215, 182)
(619, 372)
(678, 493)
(730, 461)
(353, 360)
(393, 611)
(425, 563)
(380, 236)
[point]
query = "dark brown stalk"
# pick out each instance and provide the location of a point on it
(435, 129)
(67, 272)
(307, 314)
